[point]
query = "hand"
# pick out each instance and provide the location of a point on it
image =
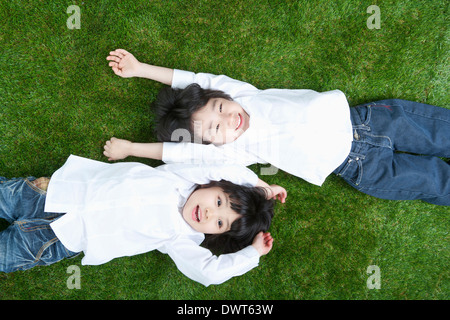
(263, 243)
(277, 192)
(123, 63)
(116, 149)
(41, 183)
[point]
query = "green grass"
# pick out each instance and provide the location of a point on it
(58, 97)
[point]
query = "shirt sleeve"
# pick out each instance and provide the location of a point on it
(234, 88)
(196, 153)
(203, 174)
(199, 264)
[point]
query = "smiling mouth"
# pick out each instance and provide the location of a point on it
(239, 121)
(196, 214)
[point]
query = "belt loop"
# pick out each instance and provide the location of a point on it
(356, 156)
(355, 135)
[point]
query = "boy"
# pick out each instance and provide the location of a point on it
(114, 210)
(374, 147)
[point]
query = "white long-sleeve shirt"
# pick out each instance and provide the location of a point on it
(303, 132)
(124, 209)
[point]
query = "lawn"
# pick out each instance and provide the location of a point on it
(59, 97)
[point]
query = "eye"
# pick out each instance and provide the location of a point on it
(220, 223)
(217, 128)
(220, 108)
(219, 202)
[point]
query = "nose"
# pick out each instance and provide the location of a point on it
(209, 213)
(228, 119)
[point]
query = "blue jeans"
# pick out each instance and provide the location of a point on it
(29, 240)
(396, 151)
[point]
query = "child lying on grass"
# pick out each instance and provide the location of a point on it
(389, 149)
(114, 210)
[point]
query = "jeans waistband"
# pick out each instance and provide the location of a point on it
(358, 116)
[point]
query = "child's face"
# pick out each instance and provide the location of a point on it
(208, 211)
(220, 121)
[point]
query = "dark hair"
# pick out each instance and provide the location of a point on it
(174, 108)
(256, 215)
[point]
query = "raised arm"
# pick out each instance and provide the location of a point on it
(117, 149)
(201, 265)
(125, 65)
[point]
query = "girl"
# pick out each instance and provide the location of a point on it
(389, 149)
(113, 210)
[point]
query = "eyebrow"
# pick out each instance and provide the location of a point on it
(212, 109)
(226, 200)
(226, 204)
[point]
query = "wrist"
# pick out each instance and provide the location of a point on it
(266, 187)
(132, 150)
(140, 70)
(258, 249)
(270, 193)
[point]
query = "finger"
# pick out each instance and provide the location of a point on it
(118, 52)
(115, 67)
(282, 196)
(117, 71)
(122, 51)
(268, 244)
(108, 155)
(116, 59)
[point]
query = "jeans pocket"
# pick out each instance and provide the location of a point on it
(32, 185)
(352, 171)
(361, 117)
(37, 244)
